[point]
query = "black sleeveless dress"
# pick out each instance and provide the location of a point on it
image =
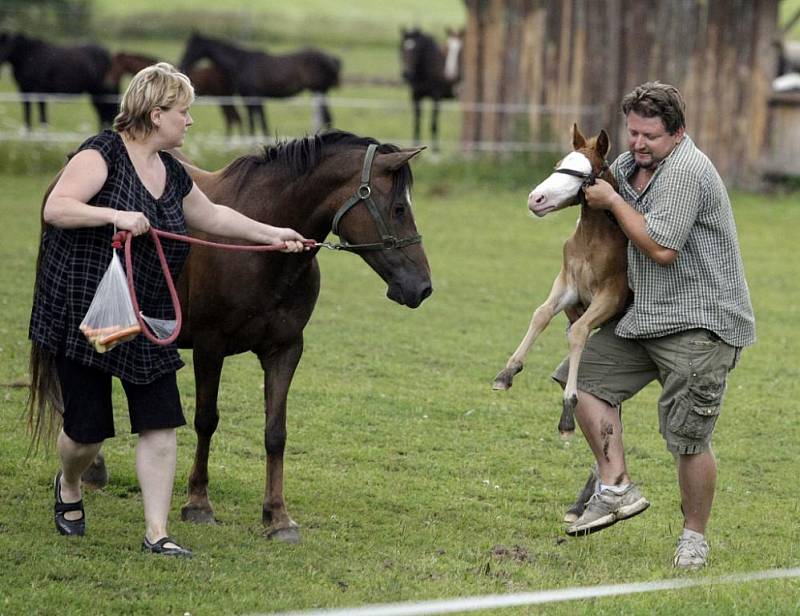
(72, 262)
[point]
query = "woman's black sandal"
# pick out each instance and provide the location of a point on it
(64, 526)
(159, 547)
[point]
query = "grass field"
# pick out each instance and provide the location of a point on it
(411, 479)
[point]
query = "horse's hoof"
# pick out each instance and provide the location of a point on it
(566, 435)
(501, 384)
(96, 476)
(198, 515)
(286, 535)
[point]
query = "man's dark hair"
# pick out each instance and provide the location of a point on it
(657, 100)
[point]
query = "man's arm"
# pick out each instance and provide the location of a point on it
(602, 196)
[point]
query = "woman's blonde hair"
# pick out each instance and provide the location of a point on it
(159, 85)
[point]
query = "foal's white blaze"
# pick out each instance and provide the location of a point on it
(409, 44)
(454, 44)
(558, 190)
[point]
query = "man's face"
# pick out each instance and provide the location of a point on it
(648, 139)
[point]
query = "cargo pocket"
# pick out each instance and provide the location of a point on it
(697, 412)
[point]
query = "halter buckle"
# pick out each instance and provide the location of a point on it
(364, 191)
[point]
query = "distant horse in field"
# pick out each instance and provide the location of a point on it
(207, 81)
(234, 302)
(42, 67)
(431, 72)
(592, 286)
(259, 74)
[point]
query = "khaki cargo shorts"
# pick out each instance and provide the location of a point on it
(692, 367)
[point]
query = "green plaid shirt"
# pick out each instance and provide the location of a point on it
(686, 208)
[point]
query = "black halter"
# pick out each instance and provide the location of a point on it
(364, 193)
(588, 178)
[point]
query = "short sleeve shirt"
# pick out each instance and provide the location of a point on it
(72, 262)
(686, 208)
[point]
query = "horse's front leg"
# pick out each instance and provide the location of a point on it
(207, 371)
(435, 124)
(279, 366)
(559, 295)
(602, 308)
(416, 108)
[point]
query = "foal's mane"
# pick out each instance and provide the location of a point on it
(300, 157)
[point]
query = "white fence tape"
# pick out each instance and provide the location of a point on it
(487, 602)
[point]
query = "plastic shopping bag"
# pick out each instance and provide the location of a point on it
(110, 319)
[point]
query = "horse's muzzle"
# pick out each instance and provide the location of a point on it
(407, 295)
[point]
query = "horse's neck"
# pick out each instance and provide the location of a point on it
(228, 57)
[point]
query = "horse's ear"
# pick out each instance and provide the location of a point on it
(578, 140)
(603, 143)
(394, 160)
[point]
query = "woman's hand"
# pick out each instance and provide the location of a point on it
(135, 222)
(293, 240)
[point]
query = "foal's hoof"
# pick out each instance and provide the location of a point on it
(198, 515)
(285, 535)
(504, 379)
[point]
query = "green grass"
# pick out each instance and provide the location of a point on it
(403, 468)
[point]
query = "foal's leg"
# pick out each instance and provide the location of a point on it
(207, 371)
(43, 114)
(559, 295)
(602, 308)
(279, 366)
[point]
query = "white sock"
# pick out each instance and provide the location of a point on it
(615, 489)
(691, 534)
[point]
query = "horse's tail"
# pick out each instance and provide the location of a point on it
(45, 407)
(45, 404)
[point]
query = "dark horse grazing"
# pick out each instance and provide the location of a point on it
(431, 72)
(41, 67)
(236, 302)
(592, 285)
(207, 81)
(258, 74)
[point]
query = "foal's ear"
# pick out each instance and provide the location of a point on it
(578, 140)
(395, 160)
(603, 143)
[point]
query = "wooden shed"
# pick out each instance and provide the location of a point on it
(556, 54)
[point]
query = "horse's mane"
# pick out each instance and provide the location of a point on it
(300, 157)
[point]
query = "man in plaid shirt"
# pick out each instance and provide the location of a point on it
(690, 317)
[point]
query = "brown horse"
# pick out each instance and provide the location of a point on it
(256, 74)
(236, 302)
(41, 67)
(431, 72)
(207, 80)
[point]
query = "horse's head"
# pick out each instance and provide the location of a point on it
(565, 185)
(194, 52)
(371, 213)
(8, 42)
(453, 56)
(123, 63)
(411, 44)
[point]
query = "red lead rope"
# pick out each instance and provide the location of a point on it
(122, 238)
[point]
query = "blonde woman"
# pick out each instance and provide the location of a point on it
(124, 179)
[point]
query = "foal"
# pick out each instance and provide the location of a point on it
(592, 285)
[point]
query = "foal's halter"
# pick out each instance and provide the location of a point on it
(364, 193)
(588, 178)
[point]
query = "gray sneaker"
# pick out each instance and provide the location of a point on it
(606, 508)
(691, 554)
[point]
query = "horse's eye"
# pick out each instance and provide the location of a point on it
(399, 210)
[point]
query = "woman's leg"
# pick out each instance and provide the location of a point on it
(75, 458)
(156, 455)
